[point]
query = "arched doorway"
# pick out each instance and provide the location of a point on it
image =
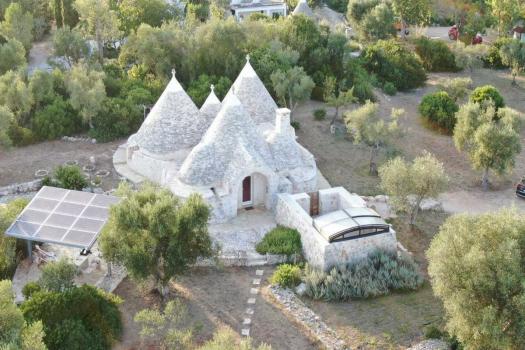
(252, 191)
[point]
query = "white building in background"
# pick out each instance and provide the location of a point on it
(302, 8)
(242, 9)
(238, 153)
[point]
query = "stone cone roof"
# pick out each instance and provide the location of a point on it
(210, 107)
(230, 144)
(253, 95)
(302, 8)
(173, 123)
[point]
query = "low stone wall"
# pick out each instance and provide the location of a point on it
(316, 249)
(23, 187)
(290, 214)
(303, 315)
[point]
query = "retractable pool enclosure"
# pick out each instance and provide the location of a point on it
(350, 223)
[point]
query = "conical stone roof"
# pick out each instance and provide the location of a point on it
(210, 107)
(252, 93)
(173, 123)
(231, 143)
(302, 8)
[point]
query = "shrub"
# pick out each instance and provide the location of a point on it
(435, 55)
(440, 109)
(337, 5)
(357, 77)
(280, 240)
(30, 288)
(389, 89)
(199, 89)
(10, 252)
(377, 274)
(487, 93)
(82, 316)
(70, 177)
(295, 124)
(493, 59)
(55, 120)
(287, 276)
(117, 118)
(432, 332)
(58, 276)
(20, 136)
(320, 114)
(391, 62)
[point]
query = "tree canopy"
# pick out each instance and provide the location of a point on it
(155, 235)
(367, 126)
(18, 25)
(490, 138)
(477, 269)
(408, 184)
(15, 332)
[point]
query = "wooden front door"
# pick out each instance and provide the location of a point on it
(247, 190)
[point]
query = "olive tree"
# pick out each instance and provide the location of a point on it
(368, 127)
(513, 55)
(58, 276)
(456, 88)
(165, 326)
(100, 22)
(15, 333)
(18, 25)
(412, 12)
(469, 56)
(476, 269)
(490, 138)
(6, 118)
(70, 44)
(408, 184)
(86, 90)
(337, 98)
(155, 235)
(13, 55)
(15, 94)
(292, 86)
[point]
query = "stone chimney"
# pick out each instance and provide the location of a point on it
(282, 121)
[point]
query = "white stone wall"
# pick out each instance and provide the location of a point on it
(317, 250)
(290, 214)
(345, 251)
(338, 198)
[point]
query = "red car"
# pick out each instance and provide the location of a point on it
(453, 34)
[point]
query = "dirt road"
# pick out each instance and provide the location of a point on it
(478, 202)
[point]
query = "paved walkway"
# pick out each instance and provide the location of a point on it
(250, 303)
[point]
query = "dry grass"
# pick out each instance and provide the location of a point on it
(346, 164)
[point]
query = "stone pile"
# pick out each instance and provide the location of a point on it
(78, 139)
(306, 317)
(431, 344)
(23, 187)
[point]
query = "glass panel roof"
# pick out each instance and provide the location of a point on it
(67, 217)
(341, 223)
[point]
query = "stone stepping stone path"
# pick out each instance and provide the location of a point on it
(250, 310)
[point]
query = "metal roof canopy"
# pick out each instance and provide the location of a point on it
(350, 223)
(66, 217)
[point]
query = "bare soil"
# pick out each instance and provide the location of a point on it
(214, 297)
(346, 164)
(20, 164)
